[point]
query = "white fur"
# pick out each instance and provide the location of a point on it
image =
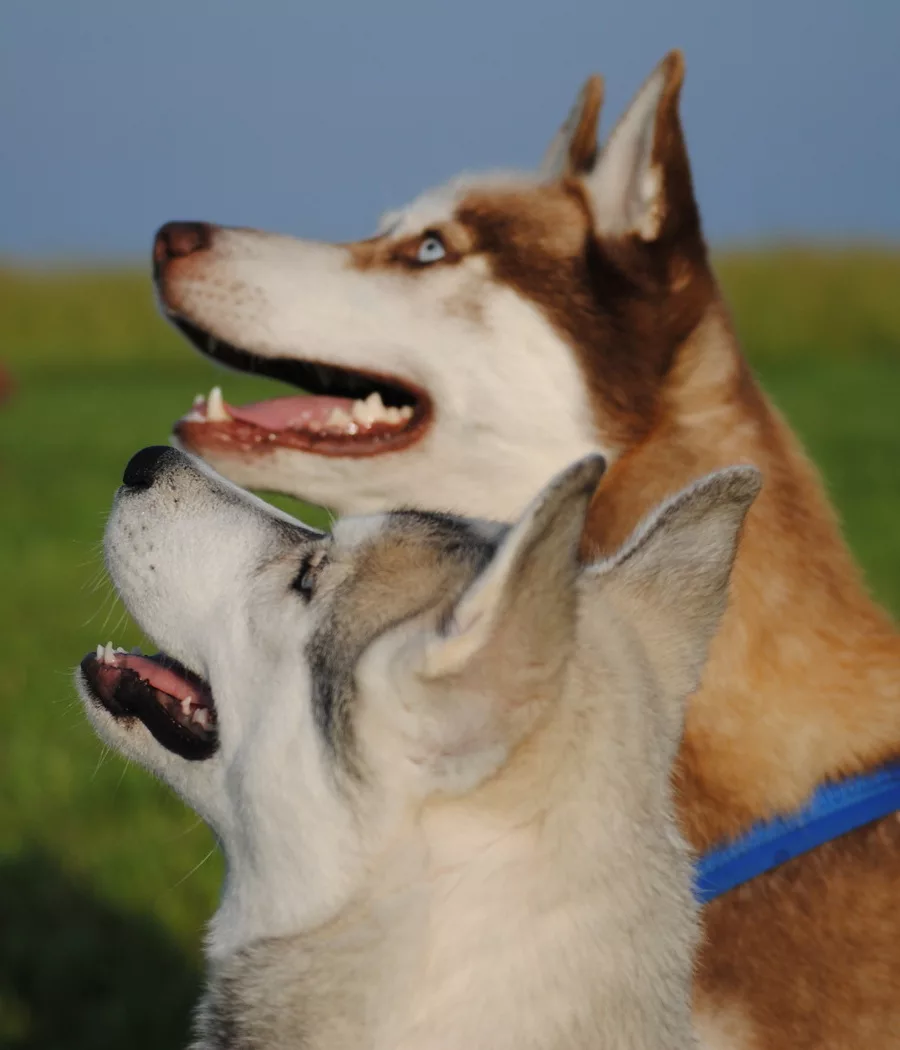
(510, 404)
(505, 872)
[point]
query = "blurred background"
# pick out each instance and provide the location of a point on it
(313, 118)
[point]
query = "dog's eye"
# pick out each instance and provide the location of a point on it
(304, 583)
(431, 249)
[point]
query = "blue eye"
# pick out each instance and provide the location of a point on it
(431, 249)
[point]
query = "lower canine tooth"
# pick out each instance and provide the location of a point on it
(215, 407)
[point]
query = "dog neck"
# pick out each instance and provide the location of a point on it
(803, 680)
(562, 921)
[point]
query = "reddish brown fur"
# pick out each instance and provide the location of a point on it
(803, 682)
(582, 151)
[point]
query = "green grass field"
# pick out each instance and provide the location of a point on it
(106, 880)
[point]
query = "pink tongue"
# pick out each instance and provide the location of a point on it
(159, 677)
(290, 413)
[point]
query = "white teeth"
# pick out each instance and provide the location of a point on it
(201, 717)
(338, 418)
(106, 654)
(362, 413)
(215, 407)
(366, 413)
(197, 413)
(369, 411)
(186, 705)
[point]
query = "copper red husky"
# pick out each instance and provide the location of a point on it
(499, 328)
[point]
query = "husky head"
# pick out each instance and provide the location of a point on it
(318, 692)
(491, 332)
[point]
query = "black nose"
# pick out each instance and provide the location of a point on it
(145, 466)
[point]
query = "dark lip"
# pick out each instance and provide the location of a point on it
(312, 376)
(133, 698)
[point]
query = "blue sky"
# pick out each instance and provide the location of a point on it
(313, 117)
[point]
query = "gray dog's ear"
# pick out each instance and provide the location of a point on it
(670, 580)
(574, 147)
(487, 670)
(517, 617)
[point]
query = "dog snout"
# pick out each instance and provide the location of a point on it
(176, 240)
(174, 478)
(146, 466)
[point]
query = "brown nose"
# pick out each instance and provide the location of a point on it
(178, 239)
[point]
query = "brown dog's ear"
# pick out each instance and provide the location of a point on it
(641, 184)
(574, 148)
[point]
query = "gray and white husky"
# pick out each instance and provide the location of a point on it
(436, 752)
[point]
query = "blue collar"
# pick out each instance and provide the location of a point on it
(832, 811)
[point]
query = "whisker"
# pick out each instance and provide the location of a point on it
(193, 870)
(125, 769)
(110, 597)
(186, 831)
(104, 755)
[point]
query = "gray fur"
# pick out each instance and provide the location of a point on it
(344, 634)
(501, 870)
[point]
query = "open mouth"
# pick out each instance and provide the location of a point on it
(342, 412)
(174, 704)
